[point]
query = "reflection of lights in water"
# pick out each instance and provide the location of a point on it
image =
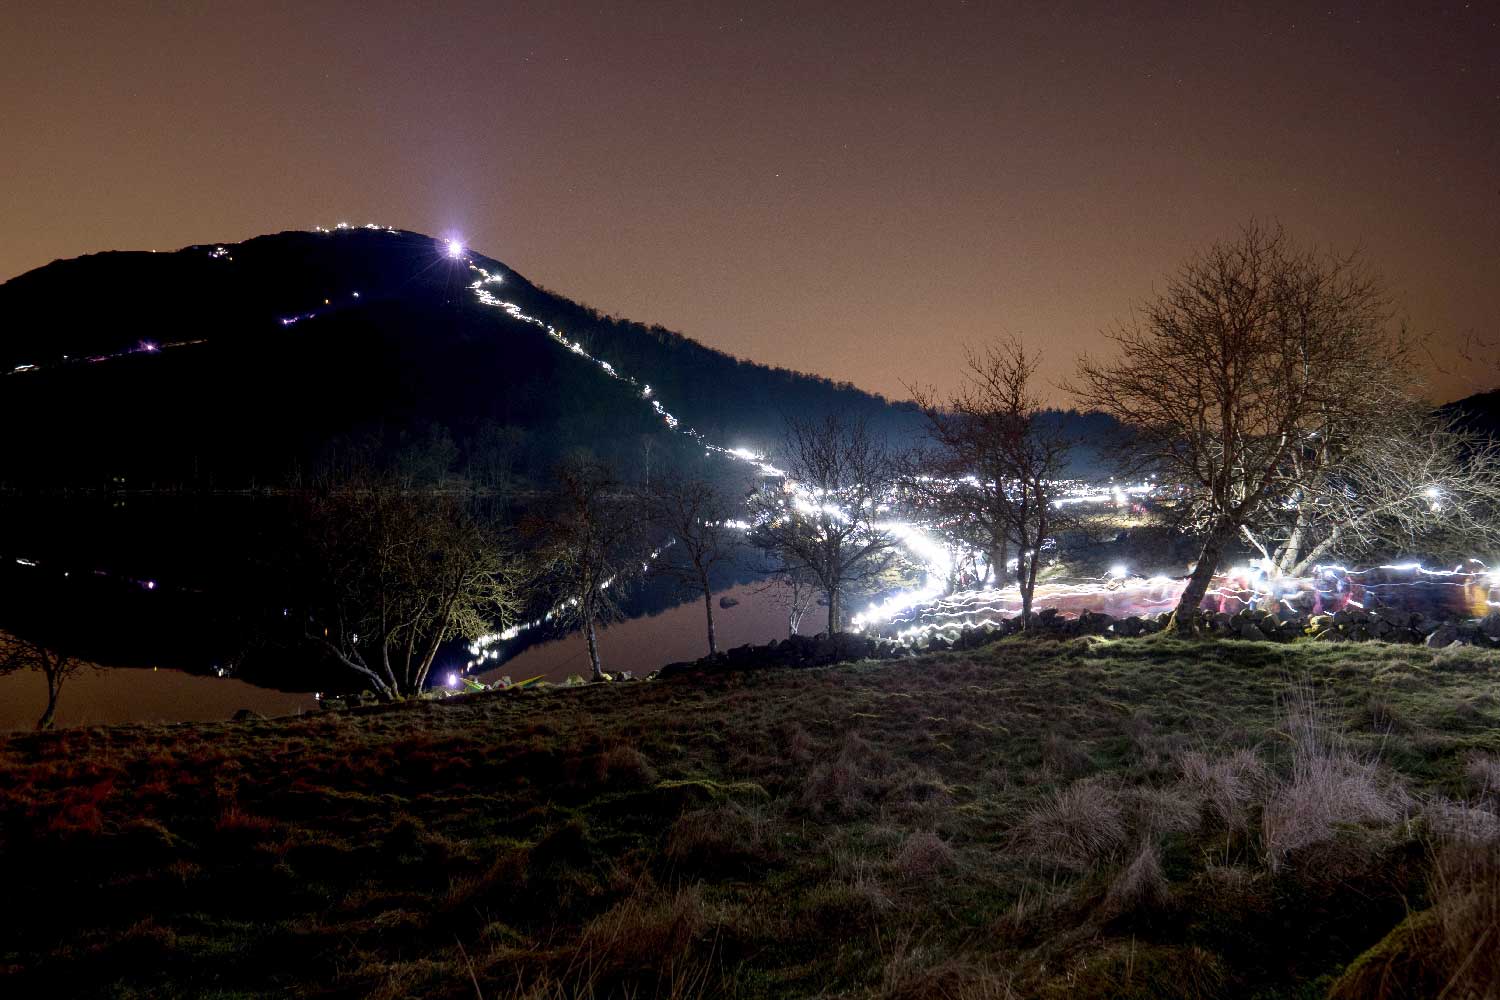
(936, 561)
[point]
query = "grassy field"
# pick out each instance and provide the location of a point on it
(1136, 818)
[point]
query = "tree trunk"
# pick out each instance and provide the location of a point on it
(588, 630)
(1026, 594)
(1027, 582)
(999, 556)
(1208, 564)
(708, 608)
(1317, 552)
(833, 610)
(54, 688)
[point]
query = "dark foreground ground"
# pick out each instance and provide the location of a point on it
(1138, 818)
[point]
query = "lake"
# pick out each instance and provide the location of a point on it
(112, 695)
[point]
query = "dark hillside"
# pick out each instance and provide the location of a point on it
(247, 364)
(1479, 413)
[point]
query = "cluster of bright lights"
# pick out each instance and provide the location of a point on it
(921, 609)
(1074, 494)
(345, 226)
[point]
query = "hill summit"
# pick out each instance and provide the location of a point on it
(227, 366)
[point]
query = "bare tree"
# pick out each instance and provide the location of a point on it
(390, 575)
(958, 482)
(993, 471)
(586, 538)
(55, 665)
(1409, 482)
(694, 514)
(1254, 348)
(795, 589)
(825, 518)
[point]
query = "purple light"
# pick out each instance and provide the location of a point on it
(148, 346)
(453, 680)
(455, 248)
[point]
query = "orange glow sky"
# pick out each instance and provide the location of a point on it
(851, 189)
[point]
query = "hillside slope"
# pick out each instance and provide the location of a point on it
(224, 366)
(1082, 819)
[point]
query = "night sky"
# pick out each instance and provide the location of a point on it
(855, 190)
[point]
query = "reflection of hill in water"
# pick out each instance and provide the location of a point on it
(645, 643)
(186, 582)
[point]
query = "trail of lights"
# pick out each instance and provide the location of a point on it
(934, 558)
(1331, 588)
(926, 607)
(221, 253)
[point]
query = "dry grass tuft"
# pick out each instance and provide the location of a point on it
(647, 941)
(623, 766)
(910, 972)
(1155, 811)
(848, 785)
(924, 855)
(1466, 901)
(1228, 785)
(1140, 885)
(1483, 772)
(1076, 828)
(1329, 786)
(1064, 756)
(726, 838)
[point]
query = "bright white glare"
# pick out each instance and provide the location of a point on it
(1118, 571)
(455, 248)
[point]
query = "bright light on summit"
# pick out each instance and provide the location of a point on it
(455, 248)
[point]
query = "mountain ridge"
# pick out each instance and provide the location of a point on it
(386, 342)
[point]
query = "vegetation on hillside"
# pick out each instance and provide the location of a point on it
(1052, 819)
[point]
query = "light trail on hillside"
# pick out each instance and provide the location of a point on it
(926, 607)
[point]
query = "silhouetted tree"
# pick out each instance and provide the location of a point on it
(1254, 349)
(993, 471)
(1407, 481)
(54, 664)
(794, 589)
(825, 519)
(693, 513)
(585, 537)
(389, 575)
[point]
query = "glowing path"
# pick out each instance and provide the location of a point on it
(935, 559)
(925, 608)
(1468, 590)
